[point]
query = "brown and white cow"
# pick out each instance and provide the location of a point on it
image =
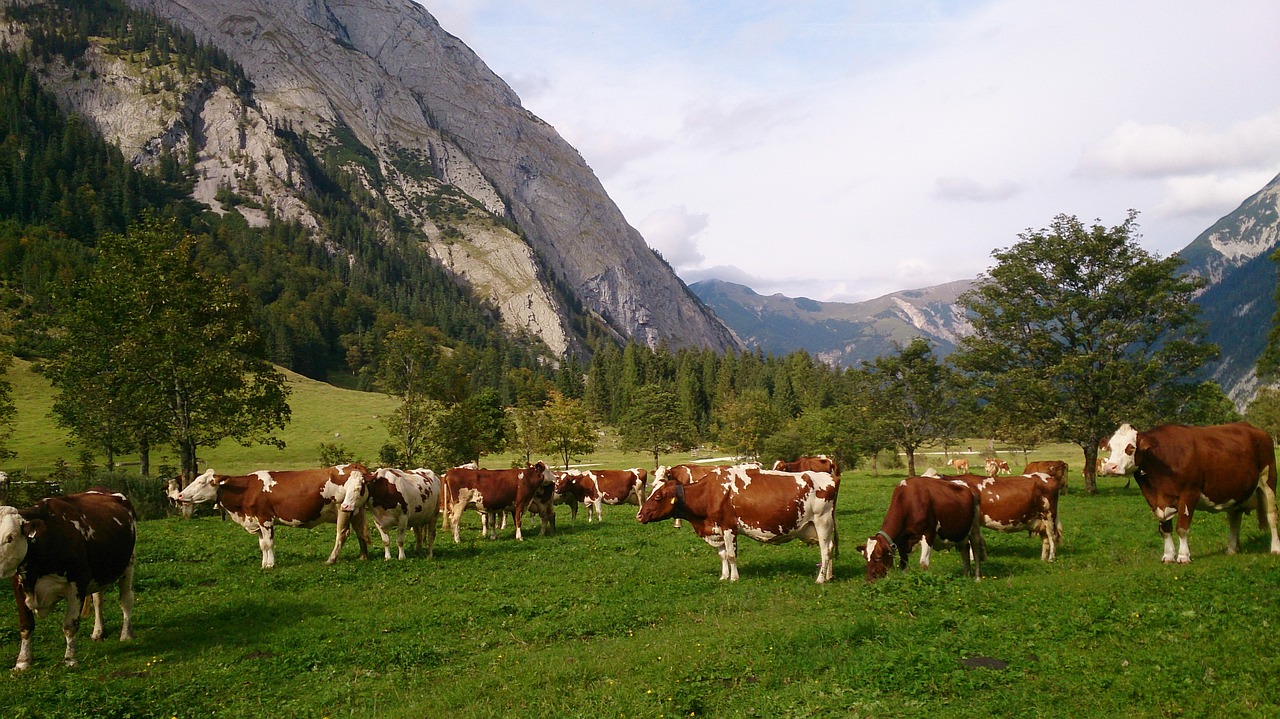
(767, 506)
(809, 463)
(69, 548)
(1223, 468)
(292, 498)
(490, 491)
(1026, 503)
(995, 466)
(934, 513)
(594, 488)
(1055, 468)
(404, 500)
(961, 465)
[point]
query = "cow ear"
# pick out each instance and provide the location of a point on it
(1146, 444)
(33, 528)
(861, 549)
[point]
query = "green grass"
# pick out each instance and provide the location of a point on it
(618, 619)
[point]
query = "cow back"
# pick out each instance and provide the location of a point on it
(1223, 461)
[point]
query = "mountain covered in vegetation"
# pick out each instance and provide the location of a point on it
(839, 333)
(350, 162)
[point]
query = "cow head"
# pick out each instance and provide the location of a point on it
(202, 489)
(663, 502)
(1121, 450)
(546, 473)
(13, 541)
(878, 552)
(355, 487)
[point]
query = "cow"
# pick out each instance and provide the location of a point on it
(1026, 503)
(767, 506)
(934, 513)
(685, 474)
(172, 490)
(961, 465)
(403, 500)
(1223, 468)
(490, 491)
(809, 463)
(594, 488)
(69, 547)
(292, 498)
(1057, 469)
(995, 466)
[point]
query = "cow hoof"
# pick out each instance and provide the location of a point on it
(329, 561)
(96, 637)
(1231, 551)
(71, 662)
(21, 667)
(1184, 560)
(1167, 559)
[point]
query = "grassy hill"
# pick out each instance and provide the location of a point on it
(321, 413)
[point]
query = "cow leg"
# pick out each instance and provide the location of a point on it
(98, 628)
(518, 518)
(1267, 512)
(267, 543)
(731, 554)
(386, 541)
(1166, 531)
(401, 527)
(1186, 509)
(431, 537)
(26, 627)
(825, 533)
(340, 536)
(925, 552)
(126, 601)
(71, 623)
(1233, 531)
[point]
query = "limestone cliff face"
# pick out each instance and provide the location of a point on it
(382, 76)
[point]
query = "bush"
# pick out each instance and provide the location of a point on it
(146, 493)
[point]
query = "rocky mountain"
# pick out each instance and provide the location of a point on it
(379, 89)
(1238, 304)
(839, 332)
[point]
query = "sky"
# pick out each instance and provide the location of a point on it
(841, 150)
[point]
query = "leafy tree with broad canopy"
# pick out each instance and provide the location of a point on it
(168, 349)
(655, 423)
(569, 431)
(1078, 328)
(917, 399)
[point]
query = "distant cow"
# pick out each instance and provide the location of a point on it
(292, 498)
(934, 513)
(594, 488)
(1016, 504)
(995, 466)
(404, 500)
(769, 507)
(173, 492)
(490, 491)
(961, 465)
(809, 463)
(1052, 467)
(69, 548)
(1224, 468)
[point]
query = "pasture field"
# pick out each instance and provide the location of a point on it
(623, 620)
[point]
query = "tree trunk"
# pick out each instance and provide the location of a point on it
(911, 463)
(1091, 467)
(144, 456)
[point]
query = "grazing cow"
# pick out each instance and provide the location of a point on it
(1052, 467)
(961, 465)
(543, 504)
(404, 499)
(293, 498)
(594, 488)
(490, 491)
(809, 463)
(68, 547)
(934, 513)
(995, 466)
(767, 506)
(1015, 504)
(1224, 468)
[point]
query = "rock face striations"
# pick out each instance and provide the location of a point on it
(496, 195)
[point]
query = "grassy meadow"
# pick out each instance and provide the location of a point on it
(616, 619)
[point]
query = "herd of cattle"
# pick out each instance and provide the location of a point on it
(73, 546)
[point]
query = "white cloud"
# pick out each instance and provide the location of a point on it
(1210, 196)
(1157, 150)
(673, 231)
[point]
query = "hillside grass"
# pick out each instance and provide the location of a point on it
(616, 619)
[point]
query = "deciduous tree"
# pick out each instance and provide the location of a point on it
(655, 423)
(1094, 328)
